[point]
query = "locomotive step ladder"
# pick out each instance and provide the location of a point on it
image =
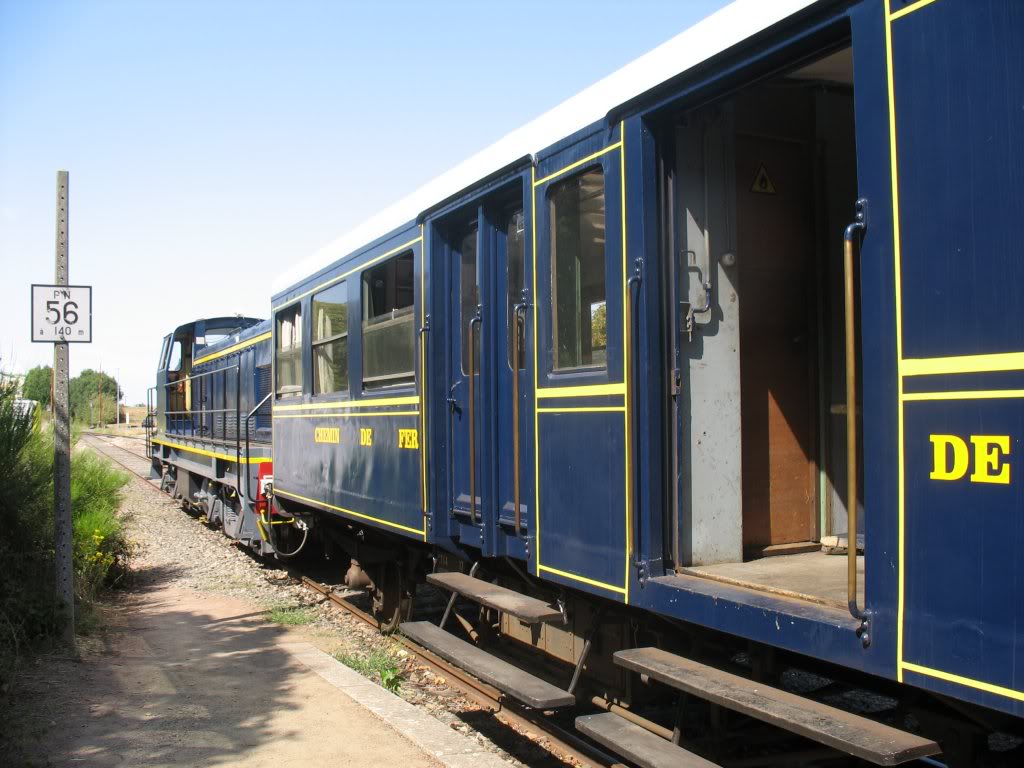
(638, 745)
(506, 677)
(855, 735)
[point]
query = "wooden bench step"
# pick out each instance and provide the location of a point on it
(518, 684)
(636, 744)
(529, 610)
(853, 734)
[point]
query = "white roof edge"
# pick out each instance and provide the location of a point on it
(720, 31)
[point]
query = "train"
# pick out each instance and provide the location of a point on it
(711, 372)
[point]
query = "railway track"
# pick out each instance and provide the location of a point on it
(553, 731)
(539, 727)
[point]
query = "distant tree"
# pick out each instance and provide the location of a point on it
(85, 388)
(599, 326)
(37, 385)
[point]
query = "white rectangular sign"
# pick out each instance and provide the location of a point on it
(62, 313)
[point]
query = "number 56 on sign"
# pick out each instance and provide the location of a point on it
(62, 313)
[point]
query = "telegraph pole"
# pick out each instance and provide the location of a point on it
(62, 438)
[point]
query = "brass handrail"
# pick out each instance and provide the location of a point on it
(849, 278)
(424, 501)
(516, 490)
(632, 546)
(474, 321)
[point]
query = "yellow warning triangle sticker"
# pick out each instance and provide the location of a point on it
(762, 184)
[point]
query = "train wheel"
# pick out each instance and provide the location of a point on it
(392, 597)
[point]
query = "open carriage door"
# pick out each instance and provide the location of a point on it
(581, 393)
(955, 83)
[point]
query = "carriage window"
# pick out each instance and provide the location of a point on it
(579, 312)
(468, 294)
(389, 337)
(514, 238)
(288, 362)
(330, 340)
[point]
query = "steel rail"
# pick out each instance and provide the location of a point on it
(481, 693)
(487, 697)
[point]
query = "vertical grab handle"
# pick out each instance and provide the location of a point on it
(424, 332)
(473, 323)
(849, 284)
(516, 489)
(633, 281)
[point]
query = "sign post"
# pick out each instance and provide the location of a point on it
(62, 314)
(62, 435)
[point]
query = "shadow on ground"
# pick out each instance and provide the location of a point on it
(180, 679)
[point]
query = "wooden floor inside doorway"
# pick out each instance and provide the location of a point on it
(812, 576)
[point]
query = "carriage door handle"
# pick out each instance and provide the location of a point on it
(516, 489)
(474, 322)
(858, 227)
(632, 444)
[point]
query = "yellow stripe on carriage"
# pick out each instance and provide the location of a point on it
(908, 10)
(344, 415)
(590, 390)
(410, 400)
(583, 579)
(936, 366)
(898, 295)
(399, 526)
(964, 395)
(949, 677)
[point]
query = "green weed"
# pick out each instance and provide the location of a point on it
(291, 615)
(383, 664)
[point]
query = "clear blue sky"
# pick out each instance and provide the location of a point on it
(209, 143)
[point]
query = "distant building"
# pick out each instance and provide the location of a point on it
(26, 407)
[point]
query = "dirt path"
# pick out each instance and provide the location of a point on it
(188, 671)
(188, 679)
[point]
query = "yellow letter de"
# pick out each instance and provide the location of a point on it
(940, 468)
(989, 450)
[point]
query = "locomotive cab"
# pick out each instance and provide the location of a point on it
(174, 387)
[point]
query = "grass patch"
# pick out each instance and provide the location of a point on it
(291, 615)
(383, 664)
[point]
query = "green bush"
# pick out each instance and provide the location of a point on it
(101, 550)
(28, 611)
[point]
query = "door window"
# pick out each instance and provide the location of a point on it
(289, 351)
(515, 233)
(579, 311)
(468, 296)
(330, 340)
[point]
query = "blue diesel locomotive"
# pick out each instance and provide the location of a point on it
(713, 371)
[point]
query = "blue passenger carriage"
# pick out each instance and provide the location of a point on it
(709, 372)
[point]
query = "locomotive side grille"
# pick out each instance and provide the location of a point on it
(262, 389)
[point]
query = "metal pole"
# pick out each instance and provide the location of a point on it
(62, 439)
